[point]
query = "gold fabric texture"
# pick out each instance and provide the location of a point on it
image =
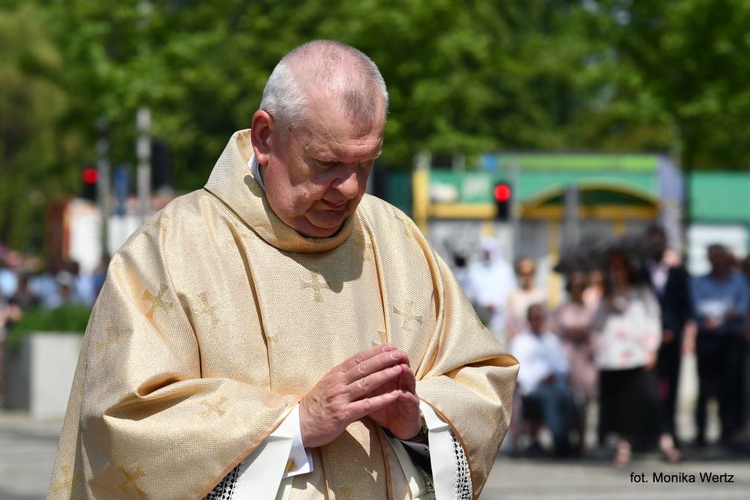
(216, 318)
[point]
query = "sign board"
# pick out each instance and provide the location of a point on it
(460, 187)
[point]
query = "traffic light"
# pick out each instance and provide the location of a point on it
(89, 183)
(502, 193)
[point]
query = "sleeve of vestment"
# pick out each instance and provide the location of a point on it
(145, 417)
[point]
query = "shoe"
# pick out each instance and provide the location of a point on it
(671, 453)
(623, 455)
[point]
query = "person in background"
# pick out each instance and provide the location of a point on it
(99, 275)
(627, 328)
(571, 322)
(745, 269)
(490, 281)
(543, 379)
(461, 271)
(720, 303)
(595, 288)
(67, 291)
(670, 282)
(45, 285)
(9, 314)
(523, 295)
(24, 298)
(11, 262)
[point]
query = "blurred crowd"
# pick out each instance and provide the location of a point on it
(27, 284)
(613, 348)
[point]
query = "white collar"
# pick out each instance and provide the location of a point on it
(255, 169)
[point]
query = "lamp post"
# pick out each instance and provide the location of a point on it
(143, 151)
(143, 124)
(103, 188)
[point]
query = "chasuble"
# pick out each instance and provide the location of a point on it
(216, 318)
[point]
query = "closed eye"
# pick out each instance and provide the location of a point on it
(327, 163)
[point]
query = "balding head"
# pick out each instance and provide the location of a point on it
(317, 135)
(328, 71)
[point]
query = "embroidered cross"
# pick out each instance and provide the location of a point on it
(149, 227)
(408, 316)
(316, 285)
(66, 483)
(208, 310)
(156, 224)
(213, 407)
(359, 242)
(131, 480)
(112, 338)
(156, 301)
(408, 229)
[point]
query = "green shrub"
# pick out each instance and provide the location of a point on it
(67, 318)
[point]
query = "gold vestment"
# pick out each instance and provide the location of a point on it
(216, 318)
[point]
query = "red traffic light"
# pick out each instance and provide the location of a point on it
(90, 175)
(502, 192)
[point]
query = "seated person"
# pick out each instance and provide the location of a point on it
(543, 378)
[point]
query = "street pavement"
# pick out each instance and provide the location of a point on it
(647, 477)
(27, 450)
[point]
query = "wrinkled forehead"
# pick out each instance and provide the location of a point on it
(361, 111)
(327, 123)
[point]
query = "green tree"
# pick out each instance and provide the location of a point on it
(677, 77)
(33, 150)
(464, 77)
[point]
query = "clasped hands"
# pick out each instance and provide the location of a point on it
(376, 383)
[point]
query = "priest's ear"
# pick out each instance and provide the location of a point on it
(260, 134)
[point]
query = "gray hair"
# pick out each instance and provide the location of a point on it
(331, 68)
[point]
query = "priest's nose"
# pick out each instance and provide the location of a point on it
(349, 184)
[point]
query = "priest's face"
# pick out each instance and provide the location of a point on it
(315, 176)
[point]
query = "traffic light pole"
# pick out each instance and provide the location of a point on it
(143, 124)
(103, 183)
(420, 190)
(571, 233)
(143, 150)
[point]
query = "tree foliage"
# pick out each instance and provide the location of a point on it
(684, 65)
(464, 77)
(31, 105)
